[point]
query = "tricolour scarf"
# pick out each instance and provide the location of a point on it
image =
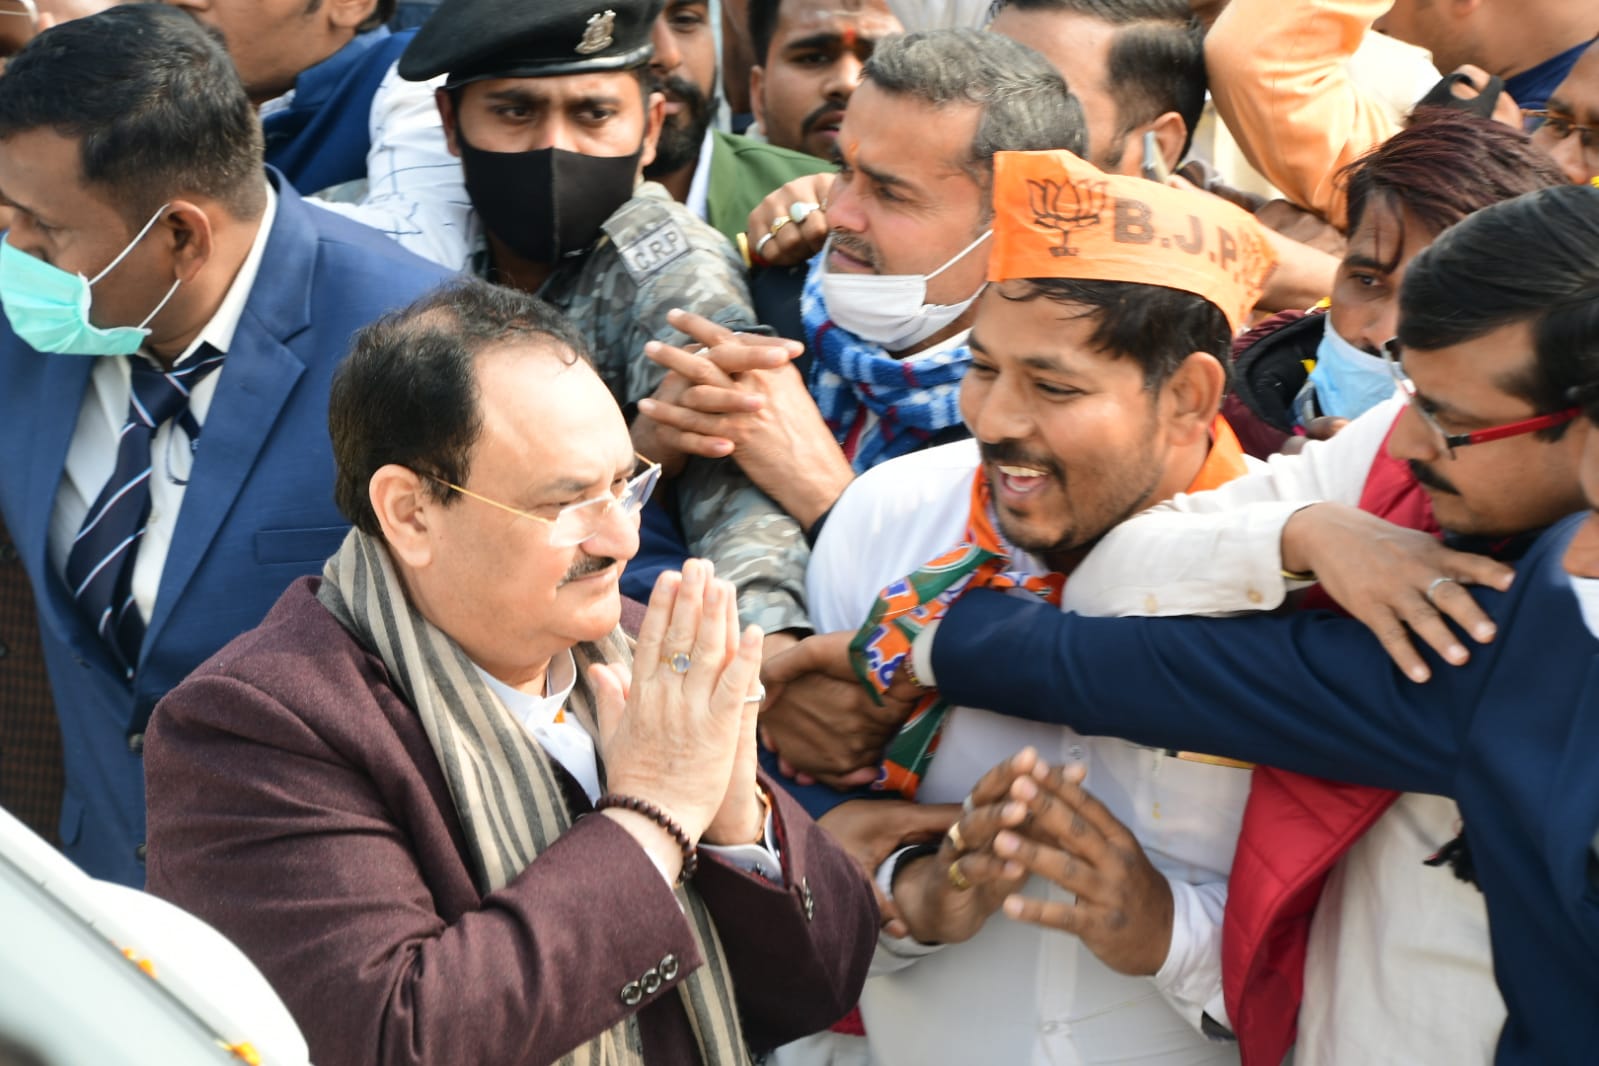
(913, 398)
(507, 791)
(905, 608)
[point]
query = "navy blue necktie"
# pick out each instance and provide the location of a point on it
(100, 564)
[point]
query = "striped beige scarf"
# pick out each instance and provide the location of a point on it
(506, 789)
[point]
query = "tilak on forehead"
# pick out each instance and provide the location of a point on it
(1057, 216)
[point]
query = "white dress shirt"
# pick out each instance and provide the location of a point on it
(415, 191)
(563, 737)
(1016, 993)
(92, 454)
(699, 187)
(1398, 968)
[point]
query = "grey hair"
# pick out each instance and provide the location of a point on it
(1026, 104)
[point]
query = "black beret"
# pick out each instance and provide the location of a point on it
(474, 39)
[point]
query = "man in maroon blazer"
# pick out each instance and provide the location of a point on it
(386, 794)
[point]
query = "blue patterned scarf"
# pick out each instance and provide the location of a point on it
(913, 398)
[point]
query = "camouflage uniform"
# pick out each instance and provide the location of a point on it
(655, 255)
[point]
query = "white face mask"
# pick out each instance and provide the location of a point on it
(891, 309)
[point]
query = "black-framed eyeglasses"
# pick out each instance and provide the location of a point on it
(1450, 441)
(577, 522)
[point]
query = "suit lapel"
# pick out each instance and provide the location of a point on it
(64, 380)
(254, 384)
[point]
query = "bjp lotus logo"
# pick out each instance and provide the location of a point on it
(1066, 206)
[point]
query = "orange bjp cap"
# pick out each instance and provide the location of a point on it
(1057, 216)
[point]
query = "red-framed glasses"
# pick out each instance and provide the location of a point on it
(1451, 441)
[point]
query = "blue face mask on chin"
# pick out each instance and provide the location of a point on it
(49, 308)
(1348, 382)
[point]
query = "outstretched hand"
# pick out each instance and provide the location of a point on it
(1397, 581)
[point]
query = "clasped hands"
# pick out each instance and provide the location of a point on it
(1026, 818)
(678, 730)
(738, 394)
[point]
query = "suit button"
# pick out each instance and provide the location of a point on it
(631, 994)
(651, 982)
(669, 967)
(136, 743)
(807, 900)
(140, 852)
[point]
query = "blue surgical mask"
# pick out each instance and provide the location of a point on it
(1348, 381)
(49, 308)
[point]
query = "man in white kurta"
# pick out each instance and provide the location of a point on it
(1091, 396)
(1015, 993)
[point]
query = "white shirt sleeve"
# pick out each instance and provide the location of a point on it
(763, 859)
(894, 953)
(416, 193)
(1220, 551)
(1190, 978)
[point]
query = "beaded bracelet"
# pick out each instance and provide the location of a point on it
(661, 818)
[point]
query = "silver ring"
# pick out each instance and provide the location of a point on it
(967, 804)
(800, 210)
(761, 244)
(955, 841)
(758, 695)
(1433, 585)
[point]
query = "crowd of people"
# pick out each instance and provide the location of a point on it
(691, 503)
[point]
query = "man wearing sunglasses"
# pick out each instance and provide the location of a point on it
(471, 819)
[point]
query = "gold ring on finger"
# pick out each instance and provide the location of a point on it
(778, 223)
(957, 880)
(678, 661)
(955, 840)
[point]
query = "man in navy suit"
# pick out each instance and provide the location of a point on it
(1513, 735)
(315, 71)
(165, 423)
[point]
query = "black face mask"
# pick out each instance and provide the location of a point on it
(548, 203)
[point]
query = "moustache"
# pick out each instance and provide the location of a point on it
(684, 92)
(1008, 453)
(852, 245)
(814, 119)
(584, 565)
(1430, 478)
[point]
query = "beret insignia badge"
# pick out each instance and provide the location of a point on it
(597, 34)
